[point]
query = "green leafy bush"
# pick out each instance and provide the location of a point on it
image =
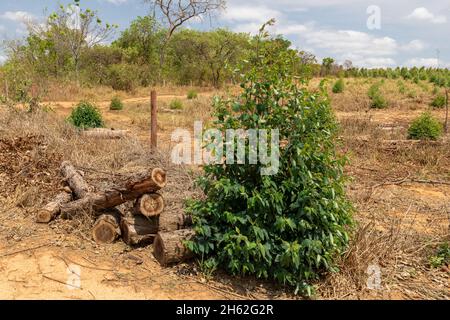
(438, 102)
(192, 94)
(339, 86)
(442, 256)
(176, 105)
(426, 127)
(289, 226)
(116, 104)
(86, 115)
(377, 99)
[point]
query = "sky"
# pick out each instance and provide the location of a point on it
(373, 33)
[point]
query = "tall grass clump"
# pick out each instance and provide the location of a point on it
(176, 105)
(192, 94)
(116, 104)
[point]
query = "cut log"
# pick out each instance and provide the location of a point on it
(131, 189)
(138, 230)
(76, 182)
(149, 205)
(169, 247)
(52, 209)
(105, 133)
(174, 220)
(106, 229)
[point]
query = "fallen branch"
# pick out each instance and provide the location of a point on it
(52, 209)
(105, 133)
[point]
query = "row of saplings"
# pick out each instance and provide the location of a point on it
(146, 223)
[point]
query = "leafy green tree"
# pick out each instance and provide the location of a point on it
(291, 225)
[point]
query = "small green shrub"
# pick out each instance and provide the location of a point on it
(425, 128)
(86, 115)
(192, 94)
(442, 256)
(339, 86)
(116, 104)
(378, 100)
(438, 102)
(176, 105)
(401, 87)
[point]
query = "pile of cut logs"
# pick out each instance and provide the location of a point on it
(147, 223)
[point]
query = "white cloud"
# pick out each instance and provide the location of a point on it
(424, 14)
(18, 16)
(426, 62)
(116, 2)
(415, 45)
(246, 13)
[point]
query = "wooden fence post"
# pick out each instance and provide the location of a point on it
(154, 121)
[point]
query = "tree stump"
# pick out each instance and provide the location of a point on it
(169, 247)
(149, 205)
(138, 230)
(52, 209)
(106, 229)
(174, 220)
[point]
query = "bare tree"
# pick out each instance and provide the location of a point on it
(177, 12)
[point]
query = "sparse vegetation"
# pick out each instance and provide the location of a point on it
(442, 256)
(86, 115)
(176, 104)
(376, 96)
(116, 104)
(192, 94)
(339, 86)
(438, 102)
(426, 127)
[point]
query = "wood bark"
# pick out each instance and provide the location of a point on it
(138, 230)
(149, 205)
(169, 247)
(106, 229)
(105, 133)
(52, 209)
(131, 189)
(75, 180)
(174, 220)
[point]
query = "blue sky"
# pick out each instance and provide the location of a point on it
(410, 31)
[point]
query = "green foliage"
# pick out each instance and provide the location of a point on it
(339, 86)
(426, 127)
(442, 256)
(86, 115)
(377, 99)
(116, 104)
(439, 102)
(176, 105)
(123, 77)
(192, 94)
(289, 226)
